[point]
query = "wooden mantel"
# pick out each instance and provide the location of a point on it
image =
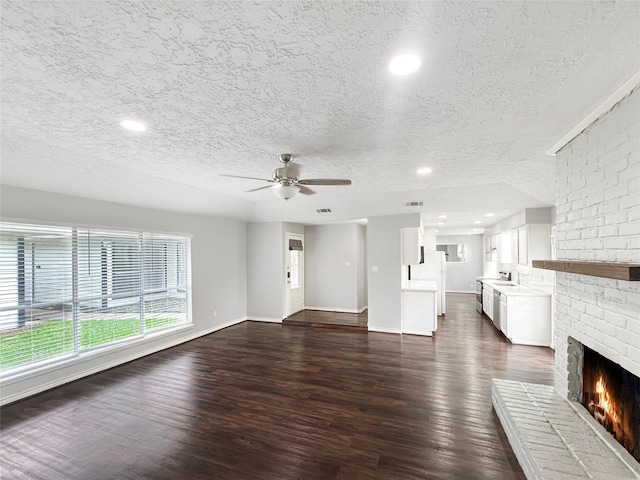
(618, 271)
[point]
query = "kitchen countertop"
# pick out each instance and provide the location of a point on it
(523, 290)
(419, 286)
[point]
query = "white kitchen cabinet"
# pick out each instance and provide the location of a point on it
(492, 246)
(418, 307)
(514, 246)
(504, 249)
(523, 245)
(411, 242)
(487, 300)
(526, 319)
(530, 242)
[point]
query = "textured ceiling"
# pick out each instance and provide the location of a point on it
(224, 87)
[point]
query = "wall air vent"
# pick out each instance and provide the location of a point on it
(323, 210)
(414, 204)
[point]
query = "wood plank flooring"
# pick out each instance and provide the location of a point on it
(269, 401)
(337, 320)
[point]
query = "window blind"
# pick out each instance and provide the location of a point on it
(65, 290)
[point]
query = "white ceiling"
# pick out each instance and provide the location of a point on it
(225, 87)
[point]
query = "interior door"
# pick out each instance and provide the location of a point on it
(295, 273)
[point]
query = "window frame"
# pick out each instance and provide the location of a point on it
(80, 354)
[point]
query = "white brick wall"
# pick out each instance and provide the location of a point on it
(598, 219)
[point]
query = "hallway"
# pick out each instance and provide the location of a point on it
(267, 401)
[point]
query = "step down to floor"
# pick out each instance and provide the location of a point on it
(316, 324)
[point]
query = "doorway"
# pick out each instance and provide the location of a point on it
(295, 273)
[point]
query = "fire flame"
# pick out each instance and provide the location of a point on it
(604, 400)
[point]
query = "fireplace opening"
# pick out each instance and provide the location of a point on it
(612, 396)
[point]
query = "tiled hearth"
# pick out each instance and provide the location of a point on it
(554, 438)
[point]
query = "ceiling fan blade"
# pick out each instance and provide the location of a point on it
(259, 188)
(324, 181)
(248, 178)
(305, 190)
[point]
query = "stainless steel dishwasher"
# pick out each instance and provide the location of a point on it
(496, 309)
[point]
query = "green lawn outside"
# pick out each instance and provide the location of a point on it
(55, 338)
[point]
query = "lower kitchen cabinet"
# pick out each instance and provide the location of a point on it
(526, 319)
(419, 308)
(487, 300)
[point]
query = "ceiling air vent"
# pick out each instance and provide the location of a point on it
(414, 204)
(323, 210)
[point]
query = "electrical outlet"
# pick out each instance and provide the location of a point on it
(215, 313)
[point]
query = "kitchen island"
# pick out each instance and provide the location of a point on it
(419, 307)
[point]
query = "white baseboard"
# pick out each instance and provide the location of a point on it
(264, 319)
(384, 330)
(363, 309)
(104, 366)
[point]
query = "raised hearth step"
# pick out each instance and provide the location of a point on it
(552, 440)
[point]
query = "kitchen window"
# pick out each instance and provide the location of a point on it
(67, 290)
(454, 252)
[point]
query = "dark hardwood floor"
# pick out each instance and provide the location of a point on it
(268, 401)
(336, 320)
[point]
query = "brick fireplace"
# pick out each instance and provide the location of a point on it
(597, 220)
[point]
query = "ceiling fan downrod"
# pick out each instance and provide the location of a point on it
(286, 158)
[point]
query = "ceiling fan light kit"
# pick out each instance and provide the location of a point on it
(285, 192)
(288, 182)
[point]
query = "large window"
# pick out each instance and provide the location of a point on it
(65, 290)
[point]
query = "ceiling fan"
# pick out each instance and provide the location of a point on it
(287, 181)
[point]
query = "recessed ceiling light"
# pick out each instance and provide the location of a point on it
(405, 64)
(478, 221)
(488, 214)
(436, 231)
(442, 216)
(424, 171)
(440, 223)
(133, 125)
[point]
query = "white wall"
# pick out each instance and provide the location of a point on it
(383, 253)
(429, 239)
(219, 273)
(461, 277)
(265, 267)
(329, 282)
(598, 219)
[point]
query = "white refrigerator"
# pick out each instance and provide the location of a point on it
(434, 268)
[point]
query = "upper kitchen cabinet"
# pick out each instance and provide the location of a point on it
(505, 247)
(491, 248)
(530, 242)
(411, 242)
